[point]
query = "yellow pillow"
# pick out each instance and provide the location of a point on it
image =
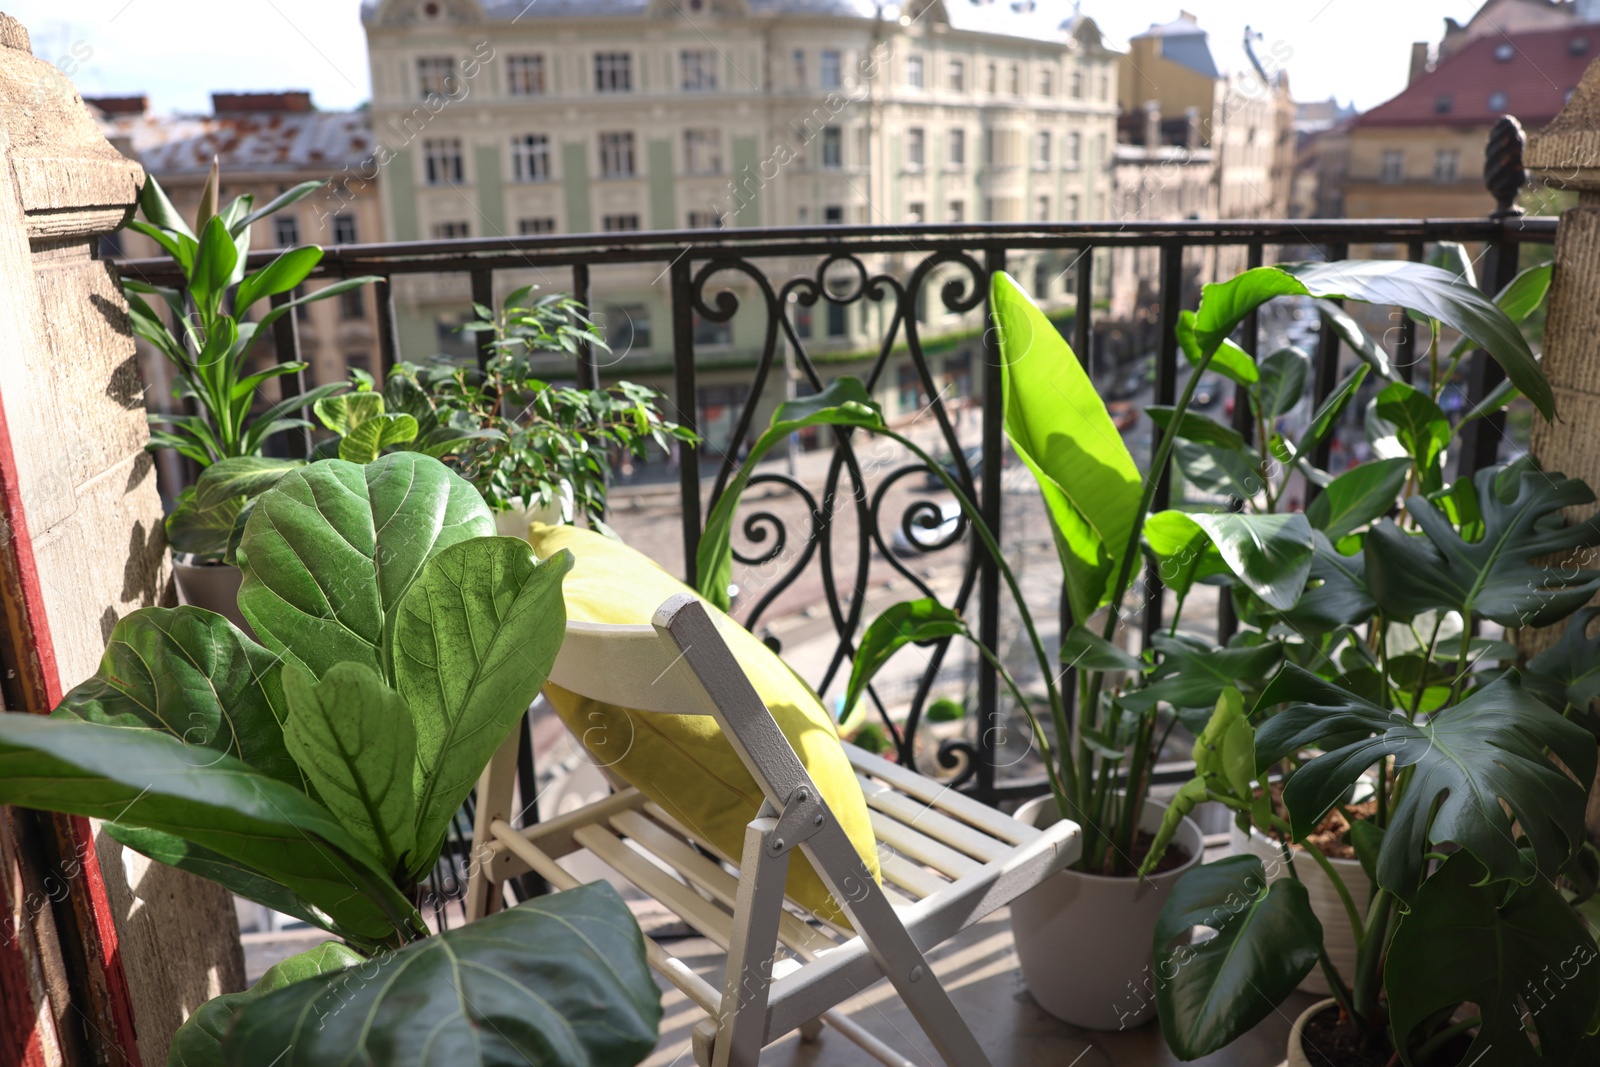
(683, 762)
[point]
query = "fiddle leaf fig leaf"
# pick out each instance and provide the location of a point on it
(1267, 940)
(1495, 576)
(1473, 761)
(559, 981)
(366, 442)
(1526, 955)
(477, 634)
(192, 674)
(345, 412)
(330, 550)
(905, 623)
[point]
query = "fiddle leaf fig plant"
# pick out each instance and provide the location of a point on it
(315, 772)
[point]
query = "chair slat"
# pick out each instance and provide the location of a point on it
(901, 872)
(706, 916)
(950, 801)
(920, 847)
(929, 820)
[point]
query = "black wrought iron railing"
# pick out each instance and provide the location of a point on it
(776, 273)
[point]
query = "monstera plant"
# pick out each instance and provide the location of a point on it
(316, 772)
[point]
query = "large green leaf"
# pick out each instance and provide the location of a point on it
(1515, 958)
(1568, 672)
(329, 551)
(1336, 590)
(1060, 428)
(285, 272)
(1473, 762)
(1224, 305)
(367, 441)
(558, 981)
(352, 736)
(198, 1042)
(152, 780)
(1358, 496)
(1341, 322)
(201, 531)
(1283, 381)
(1183, 551)
(213, 268)
(475, 639)
(1201, 429)
(240, 476)
(1267, 940)
(905, 623)
(1226, 471)
(845, 402)
(1271, 554)
(1495, 576)
(1328, 413)
(1194, 673)
(1087, 650)
(345, 412)
(192, 674)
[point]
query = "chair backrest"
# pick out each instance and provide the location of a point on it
(629, 666)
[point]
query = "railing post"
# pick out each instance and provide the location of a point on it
(1504, 175)
(1166, 392)
(483, 294)
(588, 370)
(688, 410)
(286, 336)
(388, 329)
(1327, 371)
(1244, 422)
(994, 260)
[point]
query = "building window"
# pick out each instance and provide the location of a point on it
(1105, 86)
(1074, 207)
(699, 70)
(1499, 102)
(958, 211)
(613, 72)
(285, 231)
(958, 75)
(619, 223)
(916, 148)
(1074, 153)
(1075, 82)
(799, 68)
(991, 78)
(1014, 80)
(702, 151)
(958, 148)
(832, 148)
(1505, 51)
(1443, 104)
(1041, 209)
(1047, 82)
(1041, 149)
(525, 75)
(530, 158)
(628, 328)
(616, 155)
(357, 361)
(833, 215)
(436, 75)
(1394, 166)
(353, 304)
(1042, 277)
(831, 72)
(536, 226)
(706, 220)
(916, 213)
(708, 333)
(442, 158)
(836, 323)
(451, 231)
(344, 229)
(1446, 163)
(914, 70)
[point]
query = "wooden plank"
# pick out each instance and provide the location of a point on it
(952, 803)
(921, 848)
(707, 917)
(929, 820)
(915, 880)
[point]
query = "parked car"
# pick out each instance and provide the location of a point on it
(974, 457)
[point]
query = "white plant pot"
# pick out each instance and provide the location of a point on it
(1084, 939)
(1297, 1052)
(1337, 936)
(213, 586)
(515, 523)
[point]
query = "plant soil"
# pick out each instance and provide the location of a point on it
(1176, 856)
(1329, 1041)
(1332, 835)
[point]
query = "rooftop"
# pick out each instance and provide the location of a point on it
(249, 133)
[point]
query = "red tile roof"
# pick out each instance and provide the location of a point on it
(1528, 75)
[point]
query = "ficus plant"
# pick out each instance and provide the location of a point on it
(316, 773)
(1099, 505)
(208, 335)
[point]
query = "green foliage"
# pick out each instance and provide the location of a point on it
(909, 622)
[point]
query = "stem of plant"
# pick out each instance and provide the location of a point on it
(1369, 953)
(1330, 974)
(1437, 1041)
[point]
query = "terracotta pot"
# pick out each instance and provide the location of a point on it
(1337, 936)
(1084, 939)
(1297, 1052)
(213, 586)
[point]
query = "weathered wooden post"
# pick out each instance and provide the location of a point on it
(103, 953)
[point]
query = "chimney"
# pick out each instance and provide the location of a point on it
(1419, 61)
(294, 102)
(1152, 123)
(120, 105)
(1192, 132)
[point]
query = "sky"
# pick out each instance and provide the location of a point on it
(179, 51)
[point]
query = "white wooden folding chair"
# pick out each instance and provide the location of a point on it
(947, 860)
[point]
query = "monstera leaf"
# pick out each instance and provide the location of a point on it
(559, 981)
(330, 550)
(1493, 577)
(1267, 939)
(192, 674)
(1568, 672)
(1473, 762)
(1193, 672)
(1528, 951)
(1336, 591)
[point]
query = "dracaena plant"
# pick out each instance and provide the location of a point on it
(317, 772)
(1099, 506)
(208, 336)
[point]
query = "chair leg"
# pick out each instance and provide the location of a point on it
(811, 1031)
(742, 1023)
(495, 785)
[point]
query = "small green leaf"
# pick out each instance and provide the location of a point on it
(240, 476)
(908, 622)
(285, 272)
(345, 412)
(1358, 496)
(1269, 553)
(945, 710)
(1283, 382)
(366, 442)
(1201, 429)
(1087, 650)
(1403, 421)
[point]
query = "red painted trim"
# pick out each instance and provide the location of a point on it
(14, 515)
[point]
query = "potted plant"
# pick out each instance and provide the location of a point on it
(535, 451)
(1099, 505)
(209, 352)
(316, 773)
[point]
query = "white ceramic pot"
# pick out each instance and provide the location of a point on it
(1084, 939)
(1337, 936)
(1297, 1052)
(515, 523)
(213, 586)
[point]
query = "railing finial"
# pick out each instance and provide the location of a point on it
(1503, 170)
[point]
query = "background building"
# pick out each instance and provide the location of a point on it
(568, 117)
